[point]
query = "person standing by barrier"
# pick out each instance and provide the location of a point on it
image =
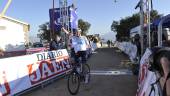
(165, 72)
(101, 43)
(108, 43)
(166, 78)
(161, 64)
(95, 42)
(1, 52)
(138, 45)
(56, 43)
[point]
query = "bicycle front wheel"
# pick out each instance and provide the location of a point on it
(73, 83)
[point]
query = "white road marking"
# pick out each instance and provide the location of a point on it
(114, 72)
(94, 52)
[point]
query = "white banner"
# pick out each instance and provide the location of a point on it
(23, 72)
(146, 78)
(128, 48)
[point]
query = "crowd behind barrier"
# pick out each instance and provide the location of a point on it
(24, 72)
(148, 84)
(128, 48)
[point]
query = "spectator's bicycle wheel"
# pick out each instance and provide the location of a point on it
(73, 83)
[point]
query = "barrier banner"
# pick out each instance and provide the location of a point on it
(128, 48)
(23, 72)
(147, 85)
(147, 79)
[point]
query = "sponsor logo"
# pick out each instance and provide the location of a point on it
(48, 65)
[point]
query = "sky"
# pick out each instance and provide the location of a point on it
(99, 13)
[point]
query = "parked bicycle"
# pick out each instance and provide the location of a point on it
(80, 73)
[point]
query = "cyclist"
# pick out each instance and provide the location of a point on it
(79, 45)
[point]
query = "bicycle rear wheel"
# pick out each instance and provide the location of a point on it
(73, 83)
(86, 73)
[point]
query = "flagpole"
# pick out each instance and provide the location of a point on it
(68, 17)
(149, 31)
(65, 22)
(141, 26)
(74, 2)
(52, 32)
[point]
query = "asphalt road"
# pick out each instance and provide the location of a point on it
(111, 76)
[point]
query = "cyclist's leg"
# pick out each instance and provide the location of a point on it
(72, 52)
(77, 61)
(76, 57)
(86, 70)
(84, 57)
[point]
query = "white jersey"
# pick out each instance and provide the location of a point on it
(79, 43)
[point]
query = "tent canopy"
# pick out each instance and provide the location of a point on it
(166, 22)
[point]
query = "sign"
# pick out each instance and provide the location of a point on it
(55, 19)
(63, 17)
(20, 73)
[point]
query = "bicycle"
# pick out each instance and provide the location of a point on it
(75, 77)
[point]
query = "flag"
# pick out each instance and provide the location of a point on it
(59, 21)
(73, 18)
(55, 19)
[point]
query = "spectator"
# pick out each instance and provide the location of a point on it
(108, 43)
(161, 63)
(165, 72)
(138, 45)
(101, 43)
(165, 80)
(95, 43)
(1, 52)
(56, 43)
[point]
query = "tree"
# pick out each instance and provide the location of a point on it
(44, 31)
(84, 26)
(155, 15)
(123, 26)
